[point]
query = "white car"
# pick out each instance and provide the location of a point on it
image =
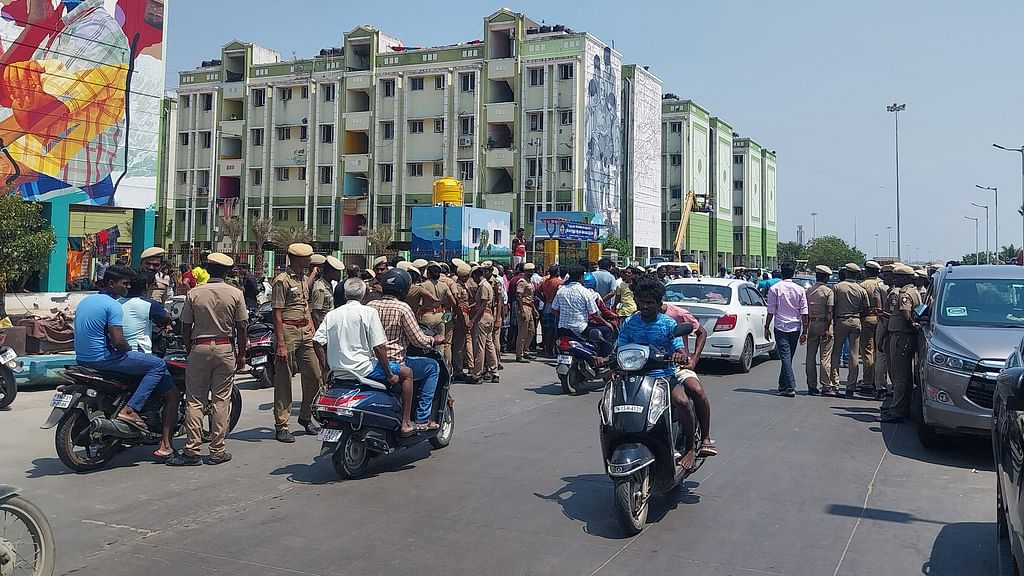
(733, 313)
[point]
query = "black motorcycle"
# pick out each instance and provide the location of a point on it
(577, 361)
(640, 439)
(26, 541)
(362, 419)
(259, 354)
(88, 436)
(8, 385)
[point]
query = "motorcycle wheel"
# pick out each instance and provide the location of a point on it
(236, 408)
(570, 382)
(8, 388)
(15, 556)
(631, 501)
(80, 449)
(352, 457)
(266, 379)
(447, 429)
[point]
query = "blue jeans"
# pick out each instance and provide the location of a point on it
(378, 371)
(153, 369)
(786, 343)
(846, 352)
(425, 370)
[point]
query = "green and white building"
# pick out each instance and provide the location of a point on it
(685, 164)
(755, 235)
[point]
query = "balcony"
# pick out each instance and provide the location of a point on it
(501, 68)
(501, 112)
(356, 163)
(231, 167)
(232, 128)
(357, 121)
(500, 158)
(357, 81)
(233, 89)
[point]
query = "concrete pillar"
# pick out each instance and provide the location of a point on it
(54, 278)
(143, 227)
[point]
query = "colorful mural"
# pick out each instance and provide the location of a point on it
(547, 227)
(602, 131)
(470, 234)
(81, 83)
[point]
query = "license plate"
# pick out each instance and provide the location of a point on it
(7, 356)
(328, 435)
(564, 359)
(61, 400)
(258, 360)
(630, 408)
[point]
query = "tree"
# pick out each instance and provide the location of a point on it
(790, 252)
(831, 251)
(979, 258)
(616, 242)
(292, 235)
(485, 241)
(231, 228)
(1008, 253)
(378, 239)
(262, 232)
(23, 247)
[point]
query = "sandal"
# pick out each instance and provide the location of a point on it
(163, 455)
(707, 448)
(404, 433)
(137, 423)
(428, 426)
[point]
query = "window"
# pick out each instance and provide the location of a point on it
(300, 214)
(388, 88)
(675, 159)
(327, 133)
(416, 83)
(466, 125)
(675, 192)
(254, 214)
(563, 207)
(185, 101)
(182, 177)
(416, 126)
(207, 102)
(257, 136)
(566, 71)
(497, 237)
(698, 293)
(566, 117)
(536, 122)
(438, 169)
(737, 185)
(737, 210)
(438, 82)
(281, 215)
(737, 159)
(206, 138)
(387, 130)
(536, 76)
(439, 125)
(468, 82)
(745, 297)
(304, 92)
(183, 138)
(328, 91)
(415, 169)
(384, 215)
(534, 167)
(202, 218)
(531, 213)
(284, 94)
(324, 216)
(387, 172)
(302, 173)
(466, 170)
(259, 97)
(281, 174)
(565, 163)
(676, 127)
(181, 215)
(256, 177)
(284, 133)
(303, 133)
(203, 178)
(326, 174)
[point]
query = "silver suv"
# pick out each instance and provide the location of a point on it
(974, 317)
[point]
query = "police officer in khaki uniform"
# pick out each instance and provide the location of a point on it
(462, 339)
(449, 325)
(293, 326)
(901, 338)
(498, 307)
(922, 281)
(373, 289)
(434, 300)
(527, 314)
(485, 359)
(883, 300)
(870, 325)
(152, 259)
(851, 305)
(213, 329)
(321, 295)
(820, 301)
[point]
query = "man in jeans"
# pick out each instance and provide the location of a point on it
(787, 316)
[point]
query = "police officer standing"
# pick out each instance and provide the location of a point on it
(449, 325)
(462, 339)
(213, 329)
(526, 308)
(820, 302)
(321, 297)
(432, 300)
(883, 300)
(851, 305)
(901, 339)
(292, 324)
(867, 334)
(485, 359)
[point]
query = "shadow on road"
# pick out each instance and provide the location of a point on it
(959, 451)
(765, 391)
(964, 548)
(553, 389)
(879, 514)
(321, 470)
(713, 367)
(257, 434)
(864, 414)
(140, 455)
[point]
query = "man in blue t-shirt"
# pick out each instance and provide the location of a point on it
(100, 344)
(605, 280)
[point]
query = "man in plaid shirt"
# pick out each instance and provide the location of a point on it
(401, 329)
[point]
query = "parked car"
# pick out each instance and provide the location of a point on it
(970, 323)
(804, 280)
(732, 312)
(1008, 453)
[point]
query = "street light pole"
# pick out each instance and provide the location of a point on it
(1021, 151)
(995, 211)
(977, 255)
(896, 109)
(814, 226)
(876, 245)
(889, 249)
(988, 248)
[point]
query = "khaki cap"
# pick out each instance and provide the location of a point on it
(379, 260)
(220, 258)
(921, 273)
(444, 267)
(822, 269)
(405, 265)
(459, 262)
(872, 265)
(370, 272)
(300, 249)
(529, 266)
(335, 263)
(473, 263)
(851, 267)
(433, 264)
(463, 270)
(487, 264)
(419, 263)
(317, 259)
(902, 270)
(152, 251)
(887, 268)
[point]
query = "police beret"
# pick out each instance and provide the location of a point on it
(529, 266)
(822, 269)
(851, 267)
(335, 263)
(419, 263)
(220, 258)
(463, 270)
(380, 260)
(872, 265)
(152, 251)
(300, 249)
(317, 259)
(902, 270)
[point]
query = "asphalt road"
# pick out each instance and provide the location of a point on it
(805, 486)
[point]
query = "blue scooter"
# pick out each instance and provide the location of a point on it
(578, 360)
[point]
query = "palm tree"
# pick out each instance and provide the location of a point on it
(262, 230)
(292, 235)
(231, 228)
(378, 239)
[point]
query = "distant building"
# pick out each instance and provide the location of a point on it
(755, 236)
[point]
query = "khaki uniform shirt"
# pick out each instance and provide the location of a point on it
(870, 286)
(213, 308)
(288, 294)
(820, 302)
(462, 298)
(851, 300)
(484, 297)
(908, 299)
(321, 297)
(433, 299)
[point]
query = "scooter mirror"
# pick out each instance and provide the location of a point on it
(595, 335)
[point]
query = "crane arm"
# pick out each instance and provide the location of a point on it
(684, 218)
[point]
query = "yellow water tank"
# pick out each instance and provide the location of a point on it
(448, 191)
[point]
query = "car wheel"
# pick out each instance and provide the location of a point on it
(747, 356)
(926, 434)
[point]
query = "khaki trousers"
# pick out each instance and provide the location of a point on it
(847, 329)
(484, 356)
(462, 349)
(301, 359)
(867, 350)
(819, 357)
(449, 339)
(210, 372)
(901, 370)
(881, 358)
(496, 336)
(527, 330)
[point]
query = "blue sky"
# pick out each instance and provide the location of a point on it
(808, 79)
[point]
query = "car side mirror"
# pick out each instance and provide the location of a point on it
(923, 313)
(1014, 379)
(682, 329)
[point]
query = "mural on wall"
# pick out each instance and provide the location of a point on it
(469, 233)
(723, 191)
(754, 188)
(81, 85)
(769, 207)
(646, 164)
(698, 159)
(601, 124)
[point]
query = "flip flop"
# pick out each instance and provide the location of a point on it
(408, 433)
(428, 426)
(161, 455)
(137, 424)
(707, 449)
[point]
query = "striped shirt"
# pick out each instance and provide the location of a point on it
(400, 327)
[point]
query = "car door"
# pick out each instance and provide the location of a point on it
(758, 315)
(747, 317)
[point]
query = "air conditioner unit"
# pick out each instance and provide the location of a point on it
(531, 182)
(465, 141)
(202, 191)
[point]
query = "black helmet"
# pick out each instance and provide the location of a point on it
(395, 282)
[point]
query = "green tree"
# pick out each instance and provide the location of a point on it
(616, 242)
(262, 230)
(231, 228)
(831, 251)
(1008, 253)
(982, 258)
(293, 235)
(379, 238)
(790, 251)
(23, 247)
(485, 241)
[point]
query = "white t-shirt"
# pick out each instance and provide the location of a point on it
(348, 334)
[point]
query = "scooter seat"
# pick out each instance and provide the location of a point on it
(349, 376)
(111, 375)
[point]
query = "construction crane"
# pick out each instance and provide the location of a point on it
(688, 204)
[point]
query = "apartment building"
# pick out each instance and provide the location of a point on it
(755, 235)
(641, 163)
(529, 118)
(685, 164)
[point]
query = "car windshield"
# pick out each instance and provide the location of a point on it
(702, 293)
(982, 303)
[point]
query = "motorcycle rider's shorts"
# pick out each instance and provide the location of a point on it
(378, 371)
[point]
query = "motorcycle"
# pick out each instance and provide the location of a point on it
(8, 385)
(26, 541)
(88, 436)
(259, 354)
(577, 360)
(361, 419)
(640, 439)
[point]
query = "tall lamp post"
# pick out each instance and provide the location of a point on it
(988, 248)
(889, 249)
(814, 227)
(896, 109)
(977, 255)
(995, 211)
(1021, 151)
(876, 245)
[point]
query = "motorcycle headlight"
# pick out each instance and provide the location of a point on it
(950, 361)
(632, 359)
(606, 403)
(659, 401)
